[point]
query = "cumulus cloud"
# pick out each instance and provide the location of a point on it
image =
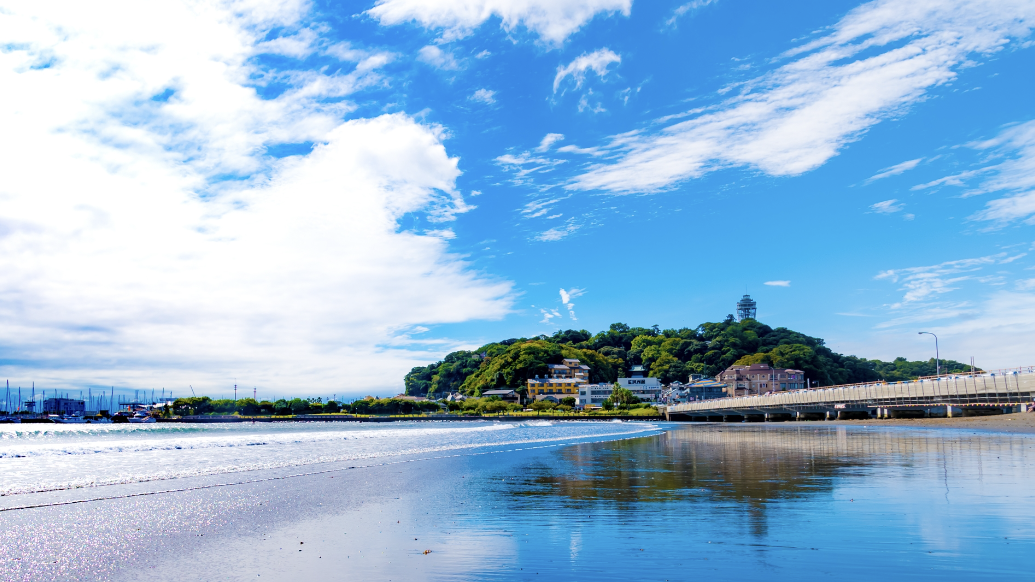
(552, 20)
(169, 247)
(894, 170)
(878, 60)
(566, 298)
(778, 283)
(597, 61)
(484, 96)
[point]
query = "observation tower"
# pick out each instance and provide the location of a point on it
(746, 308)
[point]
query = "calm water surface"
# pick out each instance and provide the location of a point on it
(547, 501)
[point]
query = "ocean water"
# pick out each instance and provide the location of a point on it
(51, 457)
(529, 501)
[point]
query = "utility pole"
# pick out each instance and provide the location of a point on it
(235, 392)
(937, 358)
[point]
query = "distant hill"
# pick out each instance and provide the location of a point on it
(670, 355)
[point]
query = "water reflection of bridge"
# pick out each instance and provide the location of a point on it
(950, 395)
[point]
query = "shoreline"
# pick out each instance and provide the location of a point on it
(1017, 422)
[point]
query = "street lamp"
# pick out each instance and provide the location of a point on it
(937, 360)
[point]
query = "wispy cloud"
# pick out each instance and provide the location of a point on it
(548, 141)
(894, 170)
(1014, 176)
(689, 7)
(597, 61)
(887, 207)
(552, 20)
(921, 283)
(881, 58)
(556, 234)
(778, 283)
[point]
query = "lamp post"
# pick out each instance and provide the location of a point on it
(937, 360)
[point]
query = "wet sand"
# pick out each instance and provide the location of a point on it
(1020, 422)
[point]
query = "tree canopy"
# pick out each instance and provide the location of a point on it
(669, 355)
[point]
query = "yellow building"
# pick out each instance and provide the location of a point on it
(563, 380)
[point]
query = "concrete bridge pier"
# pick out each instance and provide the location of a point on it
(831, 415)
(732, 418)
(778, 417)
(811, 416)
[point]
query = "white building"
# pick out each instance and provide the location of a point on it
(646, 389)
(594, 394)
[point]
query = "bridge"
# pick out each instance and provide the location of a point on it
(1001, 391)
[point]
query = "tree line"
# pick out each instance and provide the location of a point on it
(669, 355)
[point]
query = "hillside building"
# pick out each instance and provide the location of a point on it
(759, 379)
(562, 380)
(642, 387)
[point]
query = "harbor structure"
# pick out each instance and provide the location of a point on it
(64, 406)
(760, 378)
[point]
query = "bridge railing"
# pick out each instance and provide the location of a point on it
(1006, 386)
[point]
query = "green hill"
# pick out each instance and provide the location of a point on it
(670, 355)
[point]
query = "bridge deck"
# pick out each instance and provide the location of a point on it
(999, 389)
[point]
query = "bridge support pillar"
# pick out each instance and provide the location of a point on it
(953, 412)
(831, 415)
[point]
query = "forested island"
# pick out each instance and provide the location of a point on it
(669, 355)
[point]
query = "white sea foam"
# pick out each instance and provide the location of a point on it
(58, 458)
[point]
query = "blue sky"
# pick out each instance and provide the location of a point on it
(313, 197)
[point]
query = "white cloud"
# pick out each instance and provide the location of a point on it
(887, 207)
(552, 20)
(556, 234)
(1025, 284)
(692, 6)
(524, 164)
(548, 141)
(881, 58)
(484, 96)
(437, 58)
(566, 298)
(585, 105)
(778, 283)
(597, 61)
(138, 262)
(996, 330)
(924, 282)
(894, 170)
(548, 314)
(1014, 176)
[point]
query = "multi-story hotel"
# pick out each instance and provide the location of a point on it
(563, 380)
(759, 379)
